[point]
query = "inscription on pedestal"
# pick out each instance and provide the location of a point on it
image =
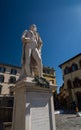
(40, 115)
(39, 112)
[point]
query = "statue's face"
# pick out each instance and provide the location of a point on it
(33, 27)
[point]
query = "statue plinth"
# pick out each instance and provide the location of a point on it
(33, 106)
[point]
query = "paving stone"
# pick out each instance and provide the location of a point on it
(67, 122)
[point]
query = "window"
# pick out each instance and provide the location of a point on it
(1, 78)
(2, 69)
(69, 84)
(74, 67)
(48, 71)
(66, 70)
(0, 88)
(77, 82)
(13, 71)
(10, 103)
(12, 79)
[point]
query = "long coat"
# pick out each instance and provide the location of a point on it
(33, 63)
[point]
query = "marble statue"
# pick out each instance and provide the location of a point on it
(31, 52)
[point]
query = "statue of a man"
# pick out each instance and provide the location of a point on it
(31, 52)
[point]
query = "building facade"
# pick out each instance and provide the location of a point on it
(71, 89)
(9, 74)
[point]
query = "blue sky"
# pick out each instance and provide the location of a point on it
(58, 22)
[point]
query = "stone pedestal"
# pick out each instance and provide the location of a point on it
(33, 106)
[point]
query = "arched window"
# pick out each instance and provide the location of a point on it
(1, 78)
(69, 84)
(12, 79)
(74, 67)
(2, 69)
(0, 89)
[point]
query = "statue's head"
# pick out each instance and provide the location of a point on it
(33, 27)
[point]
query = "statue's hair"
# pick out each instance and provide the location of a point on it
(33, 25)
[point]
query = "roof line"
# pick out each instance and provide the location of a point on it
(69, 60)
(5, 64)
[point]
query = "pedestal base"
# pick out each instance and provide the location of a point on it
(33, 107)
